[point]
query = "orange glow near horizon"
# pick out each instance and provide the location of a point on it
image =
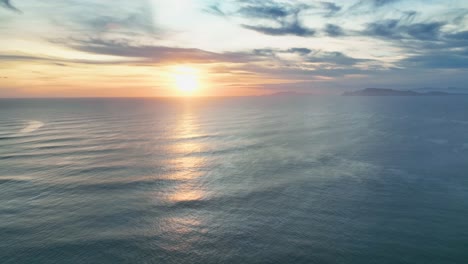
(41, 79)
(186, 79)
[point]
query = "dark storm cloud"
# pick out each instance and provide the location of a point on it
(7, 4)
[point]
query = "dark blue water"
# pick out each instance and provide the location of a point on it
(234, 180)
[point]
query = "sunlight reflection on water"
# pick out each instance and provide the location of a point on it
(241, 180)
(187, 170)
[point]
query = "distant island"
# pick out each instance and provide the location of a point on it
(391, 92)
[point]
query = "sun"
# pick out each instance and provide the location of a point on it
(186, 79)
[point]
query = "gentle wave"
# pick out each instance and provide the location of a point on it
(227, 183)
(17, 178)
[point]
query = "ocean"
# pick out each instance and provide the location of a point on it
(270, 179)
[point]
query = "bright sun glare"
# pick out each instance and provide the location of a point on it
(186, 79)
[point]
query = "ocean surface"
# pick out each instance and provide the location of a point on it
(234, 180)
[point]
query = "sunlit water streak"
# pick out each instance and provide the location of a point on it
(234, 180)
(32, 126)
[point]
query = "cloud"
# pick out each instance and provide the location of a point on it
(409, 16)
(332, 8)
(373, 4)
(273, 53)
(334, 58)
(265, 52)
(301, 71)
(294, 28)
(215, 10)
(438, 60)
(134, 21)
(424, 31)
(334, 30)
(268, 17)
(301, 51)
(380, 3)
(269, 12)
(309, 65)
(161, 54)
(7, 4)
(59, 61)
(98, 17)
(395, 29)
(427, 45)
(430, 40)
(288, 21)
(263, 60)
(463, 35)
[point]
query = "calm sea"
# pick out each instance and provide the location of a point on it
(234, 180)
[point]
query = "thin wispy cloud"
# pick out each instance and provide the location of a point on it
(270, 17)
(8, 5)
(331, 8)
(334, 30)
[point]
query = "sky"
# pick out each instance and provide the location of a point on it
(140, 48)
